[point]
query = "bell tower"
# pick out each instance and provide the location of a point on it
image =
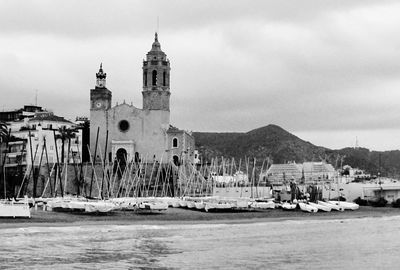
(100, 96)
(156, 74)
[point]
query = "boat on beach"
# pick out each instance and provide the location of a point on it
(288, 206)
(263, 205)
(15, 209)
(99, 207)
(331, 205)
(217, 205)
(307, 207)
(346, 205)
(152, 206)
(320, 207)
(199, 205)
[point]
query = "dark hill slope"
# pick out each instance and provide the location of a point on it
(260, 143)
(275, 142)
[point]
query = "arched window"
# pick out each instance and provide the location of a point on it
(164, 78)
(154, 77)
(145, 77)
(175, 142)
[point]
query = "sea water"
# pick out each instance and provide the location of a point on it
(367, 243)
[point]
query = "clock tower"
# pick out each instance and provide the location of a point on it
(100, 96)
(100, 105)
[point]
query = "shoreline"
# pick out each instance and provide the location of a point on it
(187, 217)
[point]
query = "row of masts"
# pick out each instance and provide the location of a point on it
(104, 179)
(120, 178)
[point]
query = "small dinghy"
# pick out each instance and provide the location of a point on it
(78, 206)
(191, 204)
(288, 206)
(263, 205)
(223, 205)
(183, 203)
(176, 204)
(307, 208)
(332, 206)
(199, 205)
(321, 207)
(346, 205)
(152, 206)
(99, 207)
(217, 205)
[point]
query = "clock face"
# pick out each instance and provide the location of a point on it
(98, 104)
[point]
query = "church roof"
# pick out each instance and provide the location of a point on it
(174, 129)
(49, 117)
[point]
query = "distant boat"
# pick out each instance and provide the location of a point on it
(199, 205)
(152, 205)
(99, 207)
(288, 206)
(321, 207)
(217, 205)
(332, 206)
(346, 205)
(308, 208)
(263, 205)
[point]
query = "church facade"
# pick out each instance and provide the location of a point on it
(127, 133)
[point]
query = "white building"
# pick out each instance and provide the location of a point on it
(49, 134)
(308, 173)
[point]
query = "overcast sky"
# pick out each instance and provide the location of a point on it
(328, 71)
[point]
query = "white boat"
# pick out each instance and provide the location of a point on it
(183, 203)
(191, 204)
(263, 205)
(223, 205)
(172, 202)
(217, 205)
(331, 205)
(199, 205)
(15, 209)
(176, 204)
(288, 206)
(77, 205)
(321, 207)
(153, 206)
(99, 207)
(55, 204)
(346, 205)
(307, 208)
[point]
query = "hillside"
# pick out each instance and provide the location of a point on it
(282, 146)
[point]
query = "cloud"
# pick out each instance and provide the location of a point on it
(236, 65)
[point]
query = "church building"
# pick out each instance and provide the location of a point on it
(128, 133)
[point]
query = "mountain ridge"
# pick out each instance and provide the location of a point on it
(282, 146)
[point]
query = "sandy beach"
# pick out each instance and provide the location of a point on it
(186, 216)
